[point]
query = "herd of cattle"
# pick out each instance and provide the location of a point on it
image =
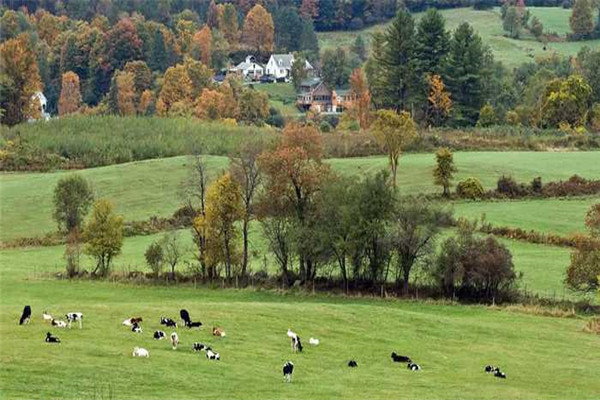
(135, 324)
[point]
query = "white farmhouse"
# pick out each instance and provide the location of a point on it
(280, 66)
(249, 68)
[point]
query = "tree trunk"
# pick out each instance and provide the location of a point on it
(406, 273)
(245, 255)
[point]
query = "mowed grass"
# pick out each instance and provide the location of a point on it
(142, 189)
(511, 52)
(282, 96)
(451, 343)
(560, 216)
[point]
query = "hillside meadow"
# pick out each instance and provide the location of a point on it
(143, 189)
(512, 52)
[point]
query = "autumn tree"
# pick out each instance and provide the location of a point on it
(224, 208)
(439, 103)
(142, 76)
(123, 43)
(258, 32)
(103, 235)
(583, 273)
(177, 87)
(244, 170)
(126, 93)
(70, 94)
(213, 15)
(146, 100)
(202, 46)
(210, 105)
(393, 132)
(254, 106)
(582, 20)
(566, 100)
(444, 169)
(358, 83)
(309, 9)
(19, 80)
(72, 200)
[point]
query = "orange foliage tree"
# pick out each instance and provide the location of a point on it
(439, 103)
(145, 102)
(70, 94)
(258, 32)
(358, 83)
(309, 9)
(210, 105)
(202, 46)
(20, 80)
(126, 93)
(177, 87)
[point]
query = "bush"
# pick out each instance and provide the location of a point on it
(536, 185)
(513, 118)
(325, 127)
(487, 116)
(470, 188)
(507, 186)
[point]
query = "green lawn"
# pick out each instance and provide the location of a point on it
(282, 96)
(146, 188)
(451, 343)
(560, 216)
(488, 24)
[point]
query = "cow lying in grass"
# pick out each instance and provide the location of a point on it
(402, 359)
(51, 339)
(132, 321)
(168, 322)
(218, 332)
(58, 323)
(47, 317)
(159, 335)
(140, 352)
(210, 353)
(490, 369)
(136, 328)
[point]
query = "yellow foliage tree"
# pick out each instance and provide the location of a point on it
(439, 102)
(224, 208)
(393, 131)
(258, 32)
(358, 83)
(209, 105)
(126, 93)
(145, 102)
(177, 87)
(70, 94)
(202, 46)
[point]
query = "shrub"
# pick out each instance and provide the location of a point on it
(513, 118)
(470, 188)
(325, 127)
(536, 185)
(592, 326)
(507, 186)
(487, 116)
(584, 270)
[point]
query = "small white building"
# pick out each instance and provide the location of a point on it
(249, 68)
(280, 66)
(38, 99)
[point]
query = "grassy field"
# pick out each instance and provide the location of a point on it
(560, 216)
(451, 343)
(146, 188)
(282, 96)
(488, 24)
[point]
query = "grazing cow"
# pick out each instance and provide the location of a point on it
(211, 354)
(136, 328)
(74, 316)
(174, 340)
(218, 332)
(500, 374)
(168, 322)
(58, 323)
(47, 317)
(132, 321)
(26, 316)
(185, 316)
(159, 335)
(352, 364)
(313, 341)
(296, 343)
(402, 359)
(140, 352)
(413, 366)
(51, 339)
(288, 370)
(198, 346)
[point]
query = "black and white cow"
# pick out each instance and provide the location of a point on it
(51, 339)
(288, 370)
(413, 366)
(198, 346)
(58, 323)
(136, 328)
(402, 359)
(490, 369)
(25, 316)
(352, 364)
(296, 343)
(211, 354)
(159, 335)
(500, 374)
(168, 322)
(73, 317)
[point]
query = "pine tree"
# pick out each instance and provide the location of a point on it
(581, 21)
(465, 71)
(433, 43)
(359, 48)
(400, 75)
(375, 71)
(158, 52)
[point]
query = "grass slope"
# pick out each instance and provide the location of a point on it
(511, 52)
(452, 344)
(143, 189)
(282, 96)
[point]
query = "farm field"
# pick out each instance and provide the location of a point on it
(511, 52)
(527, 347)
(142, 189)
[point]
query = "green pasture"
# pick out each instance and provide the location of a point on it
(142, 189)
(512, 52)
(282, 96)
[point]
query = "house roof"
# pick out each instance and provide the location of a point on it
(311, 82)
(283, 60)
(244, 65)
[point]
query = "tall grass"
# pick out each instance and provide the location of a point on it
(104, 140)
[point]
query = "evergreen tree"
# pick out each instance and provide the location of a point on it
(326, 17)
(308, 40)
(158, 54)
(375, 71)
(465, 74)
(359, 48)
(399, 61)
(433, 43)
(288, 29)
